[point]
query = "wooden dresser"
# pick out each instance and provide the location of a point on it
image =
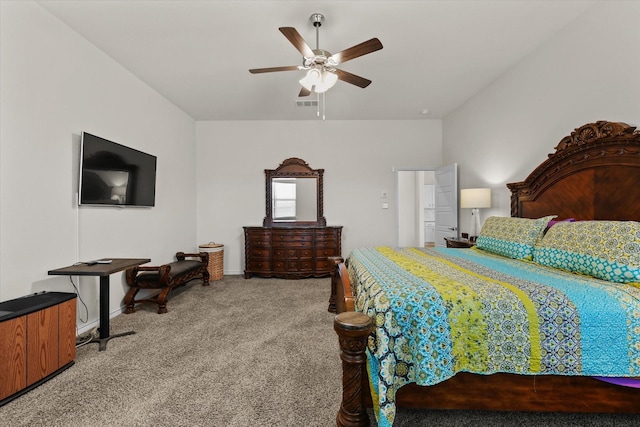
(290, 252)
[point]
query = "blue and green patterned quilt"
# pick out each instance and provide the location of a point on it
(441, 311)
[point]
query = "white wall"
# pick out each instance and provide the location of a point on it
(54, 85)
(589, 71)
(358, 158)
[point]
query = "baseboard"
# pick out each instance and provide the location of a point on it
(96, 323)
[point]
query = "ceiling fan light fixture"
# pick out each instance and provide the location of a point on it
(322, 72)
(318, 81)
(311, 79)
(329, 79)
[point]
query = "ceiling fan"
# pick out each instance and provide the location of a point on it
(321, 67)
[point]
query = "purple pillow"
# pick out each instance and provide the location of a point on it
(555, 221)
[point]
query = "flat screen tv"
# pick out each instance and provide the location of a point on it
(112, 174)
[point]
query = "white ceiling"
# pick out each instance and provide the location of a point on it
(436, 55)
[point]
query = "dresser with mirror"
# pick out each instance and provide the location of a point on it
(294, 241)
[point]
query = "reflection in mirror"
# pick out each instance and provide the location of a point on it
(294, 199)
(284, 199)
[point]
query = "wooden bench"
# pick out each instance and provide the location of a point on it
(166, 277)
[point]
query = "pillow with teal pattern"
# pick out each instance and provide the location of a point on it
(512, 237)
(608, 250)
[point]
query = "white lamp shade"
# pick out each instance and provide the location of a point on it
(311, 79)
(475, 198)
(328, 80)
(318, 81)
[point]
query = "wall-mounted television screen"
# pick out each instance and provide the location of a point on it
(112, 174)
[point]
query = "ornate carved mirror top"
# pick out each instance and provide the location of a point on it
(294, 195)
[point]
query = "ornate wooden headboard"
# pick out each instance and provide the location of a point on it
(594, 174)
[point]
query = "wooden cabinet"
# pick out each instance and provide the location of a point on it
(13, 358)
(290, 252)
(37, 340)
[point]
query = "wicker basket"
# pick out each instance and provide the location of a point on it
(216, 259)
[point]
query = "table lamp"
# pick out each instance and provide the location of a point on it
(474, 199)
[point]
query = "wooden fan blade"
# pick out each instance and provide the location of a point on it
(296, 40)
(272, 69)
(352, 78)
(357, 50)
(304, 92)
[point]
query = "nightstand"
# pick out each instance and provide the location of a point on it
(455, 242)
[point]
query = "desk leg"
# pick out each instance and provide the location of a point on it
(104, 336)
(104, 307)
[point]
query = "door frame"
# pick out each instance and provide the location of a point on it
(397, 196)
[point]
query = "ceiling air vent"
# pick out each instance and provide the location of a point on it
(306, 103)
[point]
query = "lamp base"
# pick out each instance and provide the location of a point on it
(475, 224)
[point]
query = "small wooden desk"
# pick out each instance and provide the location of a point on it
(103, 271)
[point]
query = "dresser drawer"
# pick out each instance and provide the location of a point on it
(292, 244)
(326, 252)
(285, 253)
(260, 253)
(291, 236)
(260, 265)
(306, 265)
(258, 231)
(262, 241)
(323, 236)
(328, 243)
(324, 265)
(281, 253)
(291, 265)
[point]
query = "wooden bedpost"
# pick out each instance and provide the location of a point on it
(353, 329)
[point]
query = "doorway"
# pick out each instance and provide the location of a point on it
(427, 206)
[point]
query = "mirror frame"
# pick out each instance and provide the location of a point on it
(294, 168)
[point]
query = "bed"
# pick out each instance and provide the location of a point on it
(571, 339)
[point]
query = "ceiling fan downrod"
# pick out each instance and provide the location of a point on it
(317, 19)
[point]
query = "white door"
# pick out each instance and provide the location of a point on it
(446, 203)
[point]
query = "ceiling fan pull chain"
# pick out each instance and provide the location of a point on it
(323, 105)
(318, 106)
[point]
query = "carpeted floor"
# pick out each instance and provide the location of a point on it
(258, 352)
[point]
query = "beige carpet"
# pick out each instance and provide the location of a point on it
(258, 352)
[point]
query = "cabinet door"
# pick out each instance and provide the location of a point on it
(42, 344)
(13, 359)
(67, 332)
